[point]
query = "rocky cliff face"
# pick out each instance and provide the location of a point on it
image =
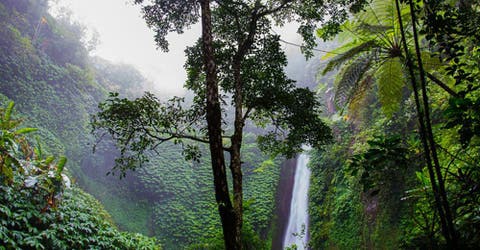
(283, 200)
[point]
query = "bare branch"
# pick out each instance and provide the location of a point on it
(247, 113)
(273, 10)
(190, 137)
(442, 85)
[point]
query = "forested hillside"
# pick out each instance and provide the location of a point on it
(40, 209)
(47, 71)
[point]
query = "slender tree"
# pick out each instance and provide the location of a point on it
(429, 133)
(426, 134)
(377, 54)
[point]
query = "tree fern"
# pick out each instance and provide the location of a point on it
(373, 55)
(360, 93)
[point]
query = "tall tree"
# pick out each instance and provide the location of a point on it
(426, 132)
(238, 57)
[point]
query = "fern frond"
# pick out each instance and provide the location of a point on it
(377, 12)
(359, 94)
(350, 78)
(345, 35)
(390, 82)
(373, 28)
(347, 55)
(431, 62)
(340, 49)
(381, 13)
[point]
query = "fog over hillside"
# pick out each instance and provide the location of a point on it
(125, 38)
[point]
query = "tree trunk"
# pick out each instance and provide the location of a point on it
(237, 176)
(429, 134)
(236, 139)
(214, 122)
(239, 123)
(236, 161)
(423, 136)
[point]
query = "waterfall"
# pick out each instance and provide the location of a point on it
(297, 229)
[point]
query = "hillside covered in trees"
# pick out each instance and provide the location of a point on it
(56, 86)
(389, 106)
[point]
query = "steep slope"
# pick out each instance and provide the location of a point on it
(46, 70)
(39, 208)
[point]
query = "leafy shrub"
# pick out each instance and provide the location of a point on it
(38, 210)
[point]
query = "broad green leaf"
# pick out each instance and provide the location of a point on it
(25, 130)
(61, 165)
(49, 160)
(8, 112)
(38, 150)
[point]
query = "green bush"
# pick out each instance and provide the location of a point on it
(39, 209)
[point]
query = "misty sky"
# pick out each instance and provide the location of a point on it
(125, 38)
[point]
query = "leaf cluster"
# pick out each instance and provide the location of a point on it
(143, 124)
(35, 213)
(270, 98)
(383, 161)
(372, 54)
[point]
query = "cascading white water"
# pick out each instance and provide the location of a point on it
(297, 229)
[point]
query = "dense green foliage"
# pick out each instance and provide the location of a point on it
(39, 209)
(372, 188)
(79, 221)
(357, 185)
(179, 193)
(46, 70)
